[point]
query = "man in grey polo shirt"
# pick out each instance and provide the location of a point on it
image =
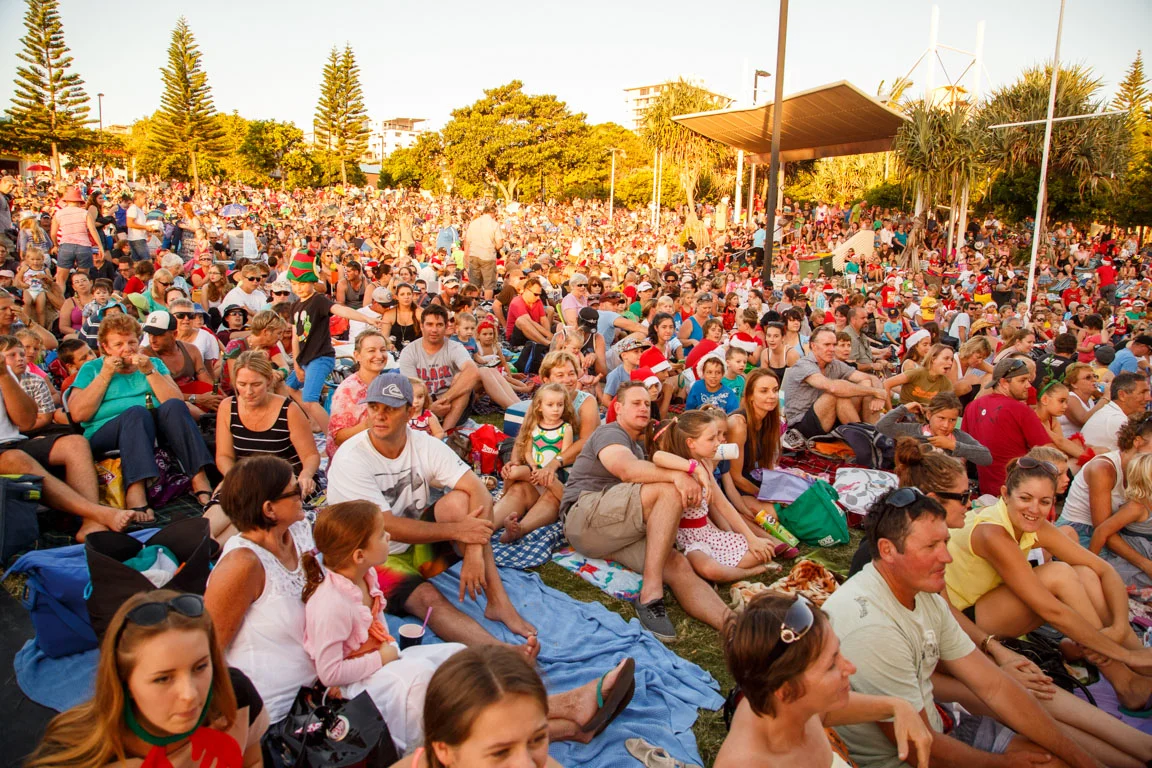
(820, 392)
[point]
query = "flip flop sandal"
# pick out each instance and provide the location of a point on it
(1141, 714)
(608, 709)
(653, 756)
(144, 510)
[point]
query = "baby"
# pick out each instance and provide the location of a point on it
(101, 296)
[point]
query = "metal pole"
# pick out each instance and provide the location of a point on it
(659, 188)
(752, 193)
(100, 106)
(774, 167)
(652, 217)
(1041, 197)
(739, 187)
(612, 185)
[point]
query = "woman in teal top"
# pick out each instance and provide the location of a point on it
(125, 400)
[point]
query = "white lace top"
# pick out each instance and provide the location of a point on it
(269, 647)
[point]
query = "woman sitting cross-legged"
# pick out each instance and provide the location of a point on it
(256, 420)
(991, 579)
(126, 401)
(786, 660)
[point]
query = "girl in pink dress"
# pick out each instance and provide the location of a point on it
(688, 444)
(344, 630)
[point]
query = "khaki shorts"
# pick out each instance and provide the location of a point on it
(482, 273)
(610, 524)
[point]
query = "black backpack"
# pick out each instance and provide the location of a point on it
(872, 449)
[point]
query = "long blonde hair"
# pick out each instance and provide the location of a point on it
(92, 734)
(532, 417)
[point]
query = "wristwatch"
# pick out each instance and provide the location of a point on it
(192, 398)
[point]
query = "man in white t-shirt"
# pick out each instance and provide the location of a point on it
(247, 292)
(1129, 392)
(138, 230)
(897, 630)
(396, 467)
(962, 323)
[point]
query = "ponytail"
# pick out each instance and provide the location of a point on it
(313, 574)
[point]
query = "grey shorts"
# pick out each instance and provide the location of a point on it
(983, 733)
(610, 524)
(482, 273)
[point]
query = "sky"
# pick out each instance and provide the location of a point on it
(264, 59)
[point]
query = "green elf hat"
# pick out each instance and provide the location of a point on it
(304, 267)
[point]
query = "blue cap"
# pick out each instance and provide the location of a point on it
(391, 389)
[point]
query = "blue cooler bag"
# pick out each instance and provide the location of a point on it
(54, 595)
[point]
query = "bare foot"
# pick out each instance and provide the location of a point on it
(105, 519)
(530, 649)
(1136, 695)
(511, 530)
(503, 612)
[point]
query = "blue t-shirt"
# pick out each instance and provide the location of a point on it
(892, 331)
(736, 385)
(616, 377)
(1125, 361)
(700, 395)
(604, 326)
(469, 345)
(124, 391)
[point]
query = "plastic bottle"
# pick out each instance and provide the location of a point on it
(769, 521)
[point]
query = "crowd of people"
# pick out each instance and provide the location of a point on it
(325, 344)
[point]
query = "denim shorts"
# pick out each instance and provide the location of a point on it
(72, 256)
(315, 375)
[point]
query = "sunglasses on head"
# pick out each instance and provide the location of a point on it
(151, 614)
(797, 622)
(1027, 462)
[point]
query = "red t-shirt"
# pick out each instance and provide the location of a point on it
(886, 294)
(518, 307)
(134, 285)
(1009, 428)
(1106, 274)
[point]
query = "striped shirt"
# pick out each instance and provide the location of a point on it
(72, 223)
(276, 440)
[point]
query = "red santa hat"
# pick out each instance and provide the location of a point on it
(645, 375)
(745, 341)
(654, 360)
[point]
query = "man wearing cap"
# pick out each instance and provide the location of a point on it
(482, 242)
(378, 302)
(75, 234)
(189, 330)
(644, 292)
(1134, 357)
(1002, 421)
(1129, 397)
(449, 288)
(529, 319)
(396, 467)
(184, 362)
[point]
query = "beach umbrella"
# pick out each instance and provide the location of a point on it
(37, 168)
(329, 210)
(233, 209)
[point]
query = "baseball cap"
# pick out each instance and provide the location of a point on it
(391, 389)
(630, 343)
(1105, 353)
(159, 323)
(382, 295)
(644, 286)
(1144, 338)
(588, 316)
(450, 281)
(1009, 368)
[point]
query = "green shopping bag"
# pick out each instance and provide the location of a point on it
(815, 518)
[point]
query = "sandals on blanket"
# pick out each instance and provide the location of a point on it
(618, 699)
(653, 756)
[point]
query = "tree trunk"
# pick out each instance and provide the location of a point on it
(56, 169)
(951, 213)
(343, 172)
(195, 171)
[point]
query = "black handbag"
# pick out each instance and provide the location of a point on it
(322, 731)
(19, 525)
(113, 582)
(1044, 652)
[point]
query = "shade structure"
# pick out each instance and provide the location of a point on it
(832, 120)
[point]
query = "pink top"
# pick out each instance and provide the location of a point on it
(72, 226)
(348, 409)
(336, 626)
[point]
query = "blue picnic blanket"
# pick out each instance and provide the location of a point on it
(578, 643)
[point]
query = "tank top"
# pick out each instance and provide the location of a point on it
(403, 335)
(276, 440)
(269, 646)
(1076, 506)
(779, 371)
(546, 444)
(354, 299)
(969, 577)
(1067, 427)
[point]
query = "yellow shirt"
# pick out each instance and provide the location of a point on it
(969, 577)
(928, 308)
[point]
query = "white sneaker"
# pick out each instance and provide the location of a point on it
(792, 440)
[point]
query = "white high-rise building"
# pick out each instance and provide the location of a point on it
(638, 100)
(390, 135)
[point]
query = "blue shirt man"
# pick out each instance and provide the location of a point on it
(1129, 358)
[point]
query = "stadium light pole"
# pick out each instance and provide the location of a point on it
(612, 184)
(774, 165)
(100, 108)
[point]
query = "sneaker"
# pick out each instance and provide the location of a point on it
(792, 440)
(654, 618)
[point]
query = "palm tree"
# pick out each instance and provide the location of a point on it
(692, 154)
(892, 97)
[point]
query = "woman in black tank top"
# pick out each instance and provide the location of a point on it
(400, 332)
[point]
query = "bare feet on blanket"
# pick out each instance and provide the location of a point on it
(106, 519)
(502, 611)
(1133, 690)
(572, 709)
(530, 649)
(511, 530)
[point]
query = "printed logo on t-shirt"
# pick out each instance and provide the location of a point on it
(437, 378)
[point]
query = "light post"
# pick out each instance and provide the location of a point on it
(612, 184)
(100, 109)
(774, 163)
(740, 162)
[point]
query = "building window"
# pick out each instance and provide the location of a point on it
(643, 91)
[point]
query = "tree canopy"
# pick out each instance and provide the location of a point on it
(693, 155)
(341, 121)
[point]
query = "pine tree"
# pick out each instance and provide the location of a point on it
(186, 122)
(341, 122)
(50, 107)
(1133, 97)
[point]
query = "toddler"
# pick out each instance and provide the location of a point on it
(31, 277)
(420, 417)
(101, 296)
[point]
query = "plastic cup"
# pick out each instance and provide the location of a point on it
(410, 635)
(727, 452)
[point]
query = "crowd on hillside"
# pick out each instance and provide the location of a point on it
(305, 357)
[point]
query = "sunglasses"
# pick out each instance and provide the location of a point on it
(1027, 462)
(252, 279)
(151, 614)
(183, 315)
(963, 498)
(279, 293)
(797, 622)
(166, 285)
(292, 493)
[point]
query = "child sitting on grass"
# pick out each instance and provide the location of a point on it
(710, 391)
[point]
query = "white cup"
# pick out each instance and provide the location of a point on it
(727, 452)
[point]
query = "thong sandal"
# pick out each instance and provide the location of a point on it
(204, 504)
(1140, 714)
(618, 699)
(652, 756)
(146, 511)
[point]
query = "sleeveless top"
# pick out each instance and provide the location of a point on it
(1076, 506)
(352, 298)
(969, 577)
(276, 440)
(781, 370)
(422, 423)
(269, 646)
(403, 335)
(1066, 426)
(546, 444)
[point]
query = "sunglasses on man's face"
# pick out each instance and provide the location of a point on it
(279, 293)
(252, 279)
(183, 315)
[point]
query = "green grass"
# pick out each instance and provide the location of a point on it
(696, 641)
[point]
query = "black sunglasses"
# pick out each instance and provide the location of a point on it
(166, 285)
(151, 614)
(797, 622)
(279, 293)
(252, 279)
(1027, 462)
(904, 497)
(964, 498)
(293, 493)
(183, 315)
